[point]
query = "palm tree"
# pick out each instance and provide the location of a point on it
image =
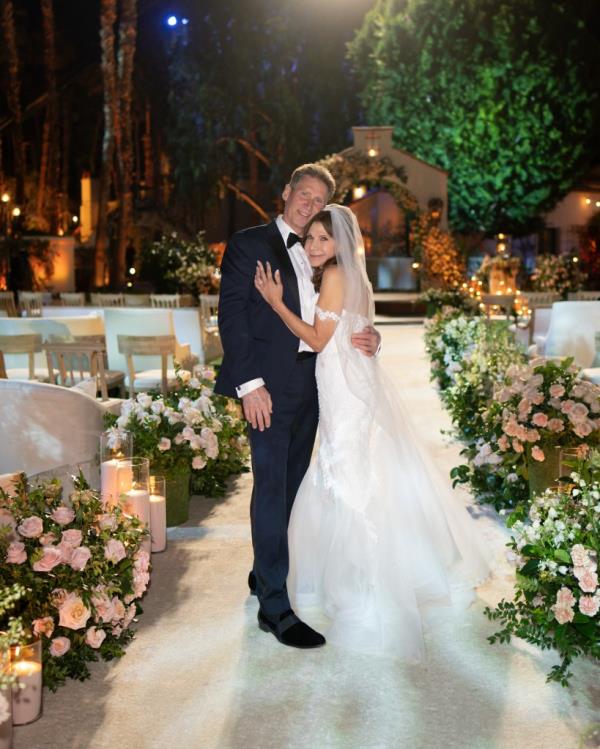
(108, 18)
(50, 161)
(14, 95)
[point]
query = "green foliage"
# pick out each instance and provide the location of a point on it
(556, 599)
(437, 299)
(501, 94)
(175, 264)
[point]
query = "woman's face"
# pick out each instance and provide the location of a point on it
(319, 245)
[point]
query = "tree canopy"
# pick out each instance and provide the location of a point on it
(502, 93)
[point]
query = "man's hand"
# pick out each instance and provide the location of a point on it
(367, 341)
(258, 408)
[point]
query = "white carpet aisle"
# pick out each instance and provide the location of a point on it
(200, 675)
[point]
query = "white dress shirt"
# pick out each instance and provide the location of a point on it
(308, 296)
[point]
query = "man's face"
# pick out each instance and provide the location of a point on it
(303, 202)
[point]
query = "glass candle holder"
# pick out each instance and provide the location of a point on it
(158, 513)
(113, 447)
(133, 483)
(26, 665)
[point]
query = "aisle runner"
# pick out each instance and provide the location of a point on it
(200, 675)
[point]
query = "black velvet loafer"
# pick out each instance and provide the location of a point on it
(290, 631)
(252, 582)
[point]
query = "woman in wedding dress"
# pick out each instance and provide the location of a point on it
(375, 535)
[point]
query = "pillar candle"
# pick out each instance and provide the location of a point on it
(158, 522)
(27, 694)
(137, 503)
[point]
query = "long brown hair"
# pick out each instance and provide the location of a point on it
(324, 218)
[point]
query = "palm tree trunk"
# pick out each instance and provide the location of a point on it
(46, 206)
(14, 96)
(108, 18)
(125, 153)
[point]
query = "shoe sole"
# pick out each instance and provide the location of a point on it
(266, 628)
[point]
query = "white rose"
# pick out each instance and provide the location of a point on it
(144, 400)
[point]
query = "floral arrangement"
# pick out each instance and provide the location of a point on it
(83, 570)
(188, 429)
(498, 266)
(480, 370)
(538, 407)
(557, 273)
(442, 264)
(449, 336)
(190, 265)
(458, 299)
(557, 598)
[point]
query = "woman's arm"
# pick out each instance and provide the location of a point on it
(331, 299)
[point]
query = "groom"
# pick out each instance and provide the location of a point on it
(273, 373)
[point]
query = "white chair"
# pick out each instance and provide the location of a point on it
(30, 303)
(144, 322)
(137, 300)
(46, 426)
(211, 340)
(571, 332)
(540, 298)
(27, 344)
(7, 303)
(72, 298)
(583, 296)
(168, 301)
(101, 299)
(149, 345)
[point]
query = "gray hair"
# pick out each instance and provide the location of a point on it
(318, 172)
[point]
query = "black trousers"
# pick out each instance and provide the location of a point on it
(280, 458)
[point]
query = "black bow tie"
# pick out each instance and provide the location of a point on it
(292, 239)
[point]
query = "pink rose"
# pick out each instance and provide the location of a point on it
(580, 556)
(579, 412)
(210, 442)
(537, 454)
(106, 521)
(72, 537)
(563, 614)
(95, 637)
(567, 406)
(129, 615)
(511, 428)
(517, 446)
(565, 597)
(539, 419)
(583, 429)
(589, 605)
(556, 425)
(51, 556)
(556, 390)
(140, 582)
(66, 551)
(118, 609)
(588, 579)
(142, 560)
(59, 646)
(103, 606)
(524, 407)
(73, 613)
(31, 527)
(63, 515)
(114, 551)
(164, 444)
(16, 554)
(47, 539)
(503, 443)
(79, 558)
(43, 626)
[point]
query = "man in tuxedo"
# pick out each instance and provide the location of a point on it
(273, 373)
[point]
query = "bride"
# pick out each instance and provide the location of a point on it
(374, 536)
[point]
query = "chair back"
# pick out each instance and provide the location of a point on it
(583, 296)
(84, 356)
(135, 322)
(211, 340)
(504, 301)
(572, 330)
(49, 426)
(137, 300)
(26, 344)
(541, 298)
(72, 298)
(101, 299)
(169, 301)
(30, 303)
(163, 346)
(7, 303)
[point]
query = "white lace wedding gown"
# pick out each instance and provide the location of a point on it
(375, 533)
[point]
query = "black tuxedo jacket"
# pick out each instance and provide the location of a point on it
(256, 343)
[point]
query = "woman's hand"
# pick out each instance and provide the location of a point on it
(268, 284)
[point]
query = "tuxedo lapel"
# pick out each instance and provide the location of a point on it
(290, 282)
